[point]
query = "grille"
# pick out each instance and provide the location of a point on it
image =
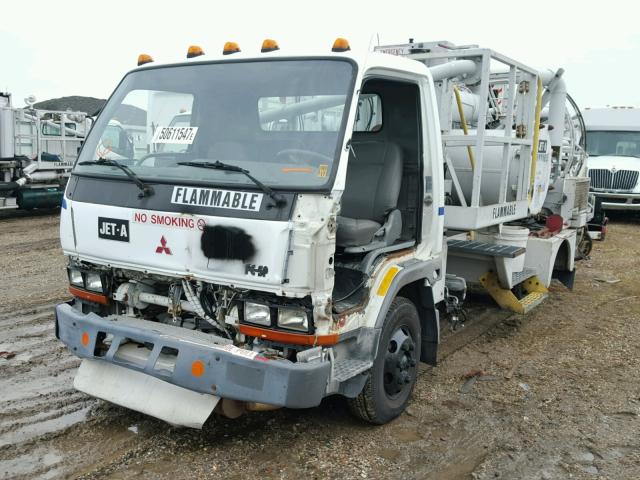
(600, 178)
(581, 200)
(620, 180)
(625, 180)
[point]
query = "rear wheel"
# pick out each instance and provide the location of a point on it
(393, 374)
(585, 244)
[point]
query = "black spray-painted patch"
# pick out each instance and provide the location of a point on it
(227, 243)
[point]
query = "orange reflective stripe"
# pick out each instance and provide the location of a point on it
(286, 337)
(89, 296)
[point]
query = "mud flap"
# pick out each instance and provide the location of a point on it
(564, 277)
(144, 393)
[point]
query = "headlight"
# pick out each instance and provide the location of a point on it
(75, 278)
(94, 282)
(257, 313)
(293, 318)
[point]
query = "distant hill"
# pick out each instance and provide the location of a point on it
(127, 114)
(130, 115)
(89, 105)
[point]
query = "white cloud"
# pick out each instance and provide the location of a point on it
(84, 47)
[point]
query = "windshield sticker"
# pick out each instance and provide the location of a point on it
(214, 198)
(296, 170)
(323, 170)
(181, 135)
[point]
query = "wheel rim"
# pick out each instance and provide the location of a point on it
(399, 362)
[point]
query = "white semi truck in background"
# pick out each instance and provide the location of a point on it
(613, 144)
(312, 219)
(37, 151)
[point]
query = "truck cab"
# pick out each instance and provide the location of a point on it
(290, 249)
(613, 145)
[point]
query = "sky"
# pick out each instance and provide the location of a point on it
(52, 49)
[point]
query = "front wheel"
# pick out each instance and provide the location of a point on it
(394, 372)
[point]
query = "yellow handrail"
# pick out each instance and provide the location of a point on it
(463, 121)
(536, 138)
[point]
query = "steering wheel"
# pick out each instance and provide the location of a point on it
(297, 156)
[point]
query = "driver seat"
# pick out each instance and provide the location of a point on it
(369, 217)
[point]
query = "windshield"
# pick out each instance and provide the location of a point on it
(623, 144)
(282, 120)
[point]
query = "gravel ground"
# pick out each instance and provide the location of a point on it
(559, 396)
(32, 265)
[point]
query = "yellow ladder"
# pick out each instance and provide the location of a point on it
(536, 293)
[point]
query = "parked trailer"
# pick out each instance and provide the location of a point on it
(37, 151)
(312, 218)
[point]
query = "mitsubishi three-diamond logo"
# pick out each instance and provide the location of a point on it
(162, 248)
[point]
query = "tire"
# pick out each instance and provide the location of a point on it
(393, 375)
(586, 244)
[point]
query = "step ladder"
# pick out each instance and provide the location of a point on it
(536, 293)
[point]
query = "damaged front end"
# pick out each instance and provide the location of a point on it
(155, 343)
(179, 375)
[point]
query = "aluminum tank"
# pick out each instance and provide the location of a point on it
(6, 133)
(492, 171)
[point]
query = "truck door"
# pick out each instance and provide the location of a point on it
(393, 122)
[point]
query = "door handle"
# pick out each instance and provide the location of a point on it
(428, 200)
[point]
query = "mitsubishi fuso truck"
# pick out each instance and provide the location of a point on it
(293, 226)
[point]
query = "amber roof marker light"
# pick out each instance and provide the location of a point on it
(143, 59)
(194, 51)
(341, 45)
(269, 45)
(230, 47)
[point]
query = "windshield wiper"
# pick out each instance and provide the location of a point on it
(218, 165)
(145, 190)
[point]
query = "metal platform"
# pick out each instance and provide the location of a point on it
(346, 369)
(519, 277)
(532, 300)
(484, 248)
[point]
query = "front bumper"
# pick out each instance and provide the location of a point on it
(618, 201)
(227, 373)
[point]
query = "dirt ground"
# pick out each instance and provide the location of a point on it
(560, 397)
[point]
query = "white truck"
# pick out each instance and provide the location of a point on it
(613, 145)
(320, 213)
(37, 151)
